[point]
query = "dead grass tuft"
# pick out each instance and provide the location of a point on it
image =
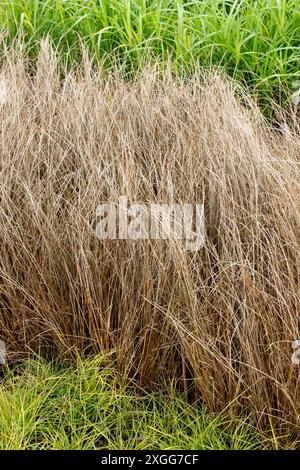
(223, 318)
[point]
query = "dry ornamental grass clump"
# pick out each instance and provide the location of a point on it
(222, 318)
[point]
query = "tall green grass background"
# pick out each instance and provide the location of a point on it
(256, 41)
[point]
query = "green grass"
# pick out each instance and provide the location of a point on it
(256, 41)
(43, 406)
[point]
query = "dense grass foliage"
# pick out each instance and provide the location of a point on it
(46, 406)
(256, 41)
(221, 319)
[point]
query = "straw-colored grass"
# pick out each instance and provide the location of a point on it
(223, 318)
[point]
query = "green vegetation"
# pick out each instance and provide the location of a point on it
(257, 41)
(45, 406)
